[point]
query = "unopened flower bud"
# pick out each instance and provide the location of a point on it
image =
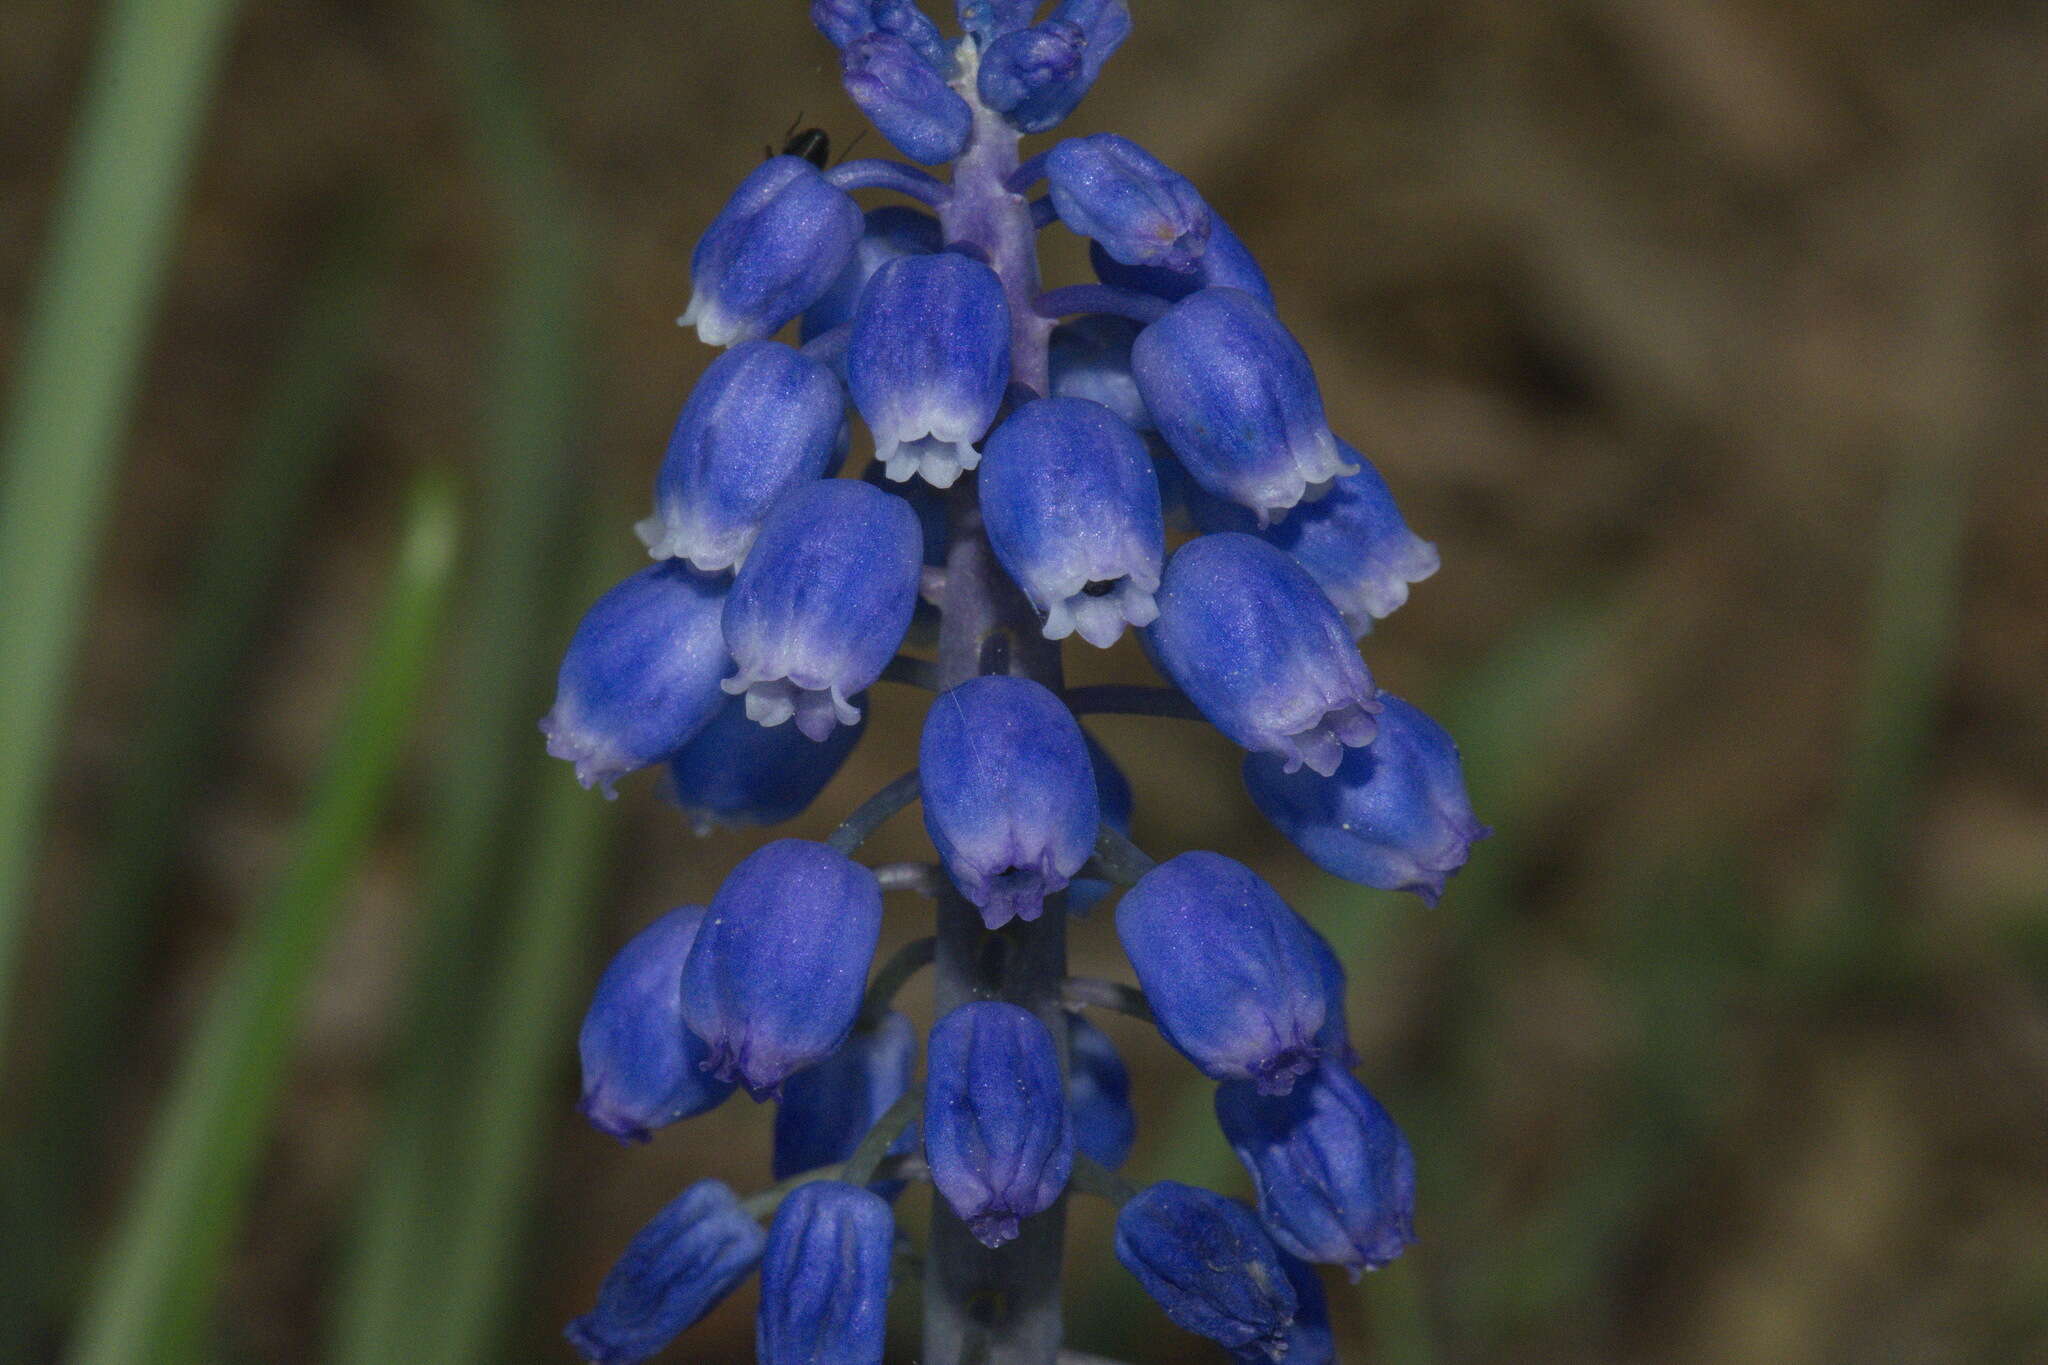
(1140, 211)
(1034, 77)
(825, 1278)
(642, 1069)
(693, 1253)
(996, 1127)
(906, 98)
(1208, 1263)
(827, 1109)
(737, 773)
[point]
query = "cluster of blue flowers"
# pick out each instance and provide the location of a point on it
(1036, 453)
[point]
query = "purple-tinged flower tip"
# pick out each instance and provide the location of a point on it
(1234, 976)
(642, 1069)
(774, 981)
(1090, 358)
(1140, 211)
(997, 1131)
(827, 1109)
(1393, 815)
(825, 1278)
(1208, 1263)
(1235, 397)
(1009, 794)
(763, 420)
(928, 363)
(1334, 1177)
(641, 675)
(1099, 1094)
(693, 1253)
(1227, 263)
(906, 99)
(816, 612)
(1072, 509)
(1034, 77)
(1113, 796)
(736, 773)
(893, 232)
(774, 248)
(1259, 649)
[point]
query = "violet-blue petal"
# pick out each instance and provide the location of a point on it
(1227, 264)
(1334, 1177)
(997, 1131)
(1008, 792)
(928, 363)
(736, 773)
(692, 1254)
(774, 981)
(774, 248)
(893, 231)
(1208, 1263)
(1090, 357)
(641, 675)
(1234, 395)
(1099, 1094)
(905, 98)
(1139, 210)
(827, 1109)
(825, 1278)
(642, 1069)
(1255, 644)
(1035, 77)
(1072, 510)
(763, 420)
(1394, 815)
(816, 612)
(1232, 974)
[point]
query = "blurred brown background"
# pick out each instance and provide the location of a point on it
(1682, 326)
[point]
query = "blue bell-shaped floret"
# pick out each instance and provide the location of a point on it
(763, 420)
(1090, 357)
(1334, 1176)
(777, 245)
(1233, 975)
(1117, 194)
(737, 773)
(1113, 796)
(641, 675)
(1251, 639)
(816, 612)
(928, 363)
(825, 1278)
(1072, 510)
(693, 1253)
(1227, 263)
(642, 1069)
(1208, 1263)
(1009, 794)
(1393, 815)
(997, 1131)
(1233, 394)
(826, 1110)
(1034, 77)
(893, 232)
(774, 981)
(1099, 1094)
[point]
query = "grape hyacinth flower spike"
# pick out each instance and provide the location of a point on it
(1029, 444)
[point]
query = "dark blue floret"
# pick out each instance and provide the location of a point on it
(1099, 1093)
(738, 773)
(825, 1278)
(642, 1069)
(997, 1131)
(774, 248)
(1208, 1263)
(1334, 1176)
(775, 978)
(1137, 209)
(677, 1268)
(826, 1110)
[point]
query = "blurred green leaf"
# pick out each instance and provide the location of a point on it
(150, 1300)
(145, 98)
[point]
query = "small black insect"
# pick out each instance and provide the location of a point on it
(812, 144)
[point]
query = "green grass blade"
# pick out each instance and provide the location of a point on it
(111, 234)
(289, 446)
(150, 1300)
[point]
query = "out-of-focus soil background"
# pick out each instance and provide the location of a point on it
(1674, 323)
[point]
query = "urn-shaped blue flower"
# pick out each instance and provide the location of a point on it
(1090, 357)
(827, 1109)
(928, 362)
(777, 245)
(1251, 639)
(693, 1253)
(997, 1131)
(1235, 397)
(641, 675)
(825, 1278)
(763, 420)
(1334, 1176)
(1227, 263)
(738, 773)
(892, 232)
(1009, 794)
(1393, 815)
(1140, 211)
(1099, 1094)
(1234, 976)
(1072, 510)
(642, 1069)
(1208, 1263)
(816, 612)
(774, 980)
(1035, 76)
